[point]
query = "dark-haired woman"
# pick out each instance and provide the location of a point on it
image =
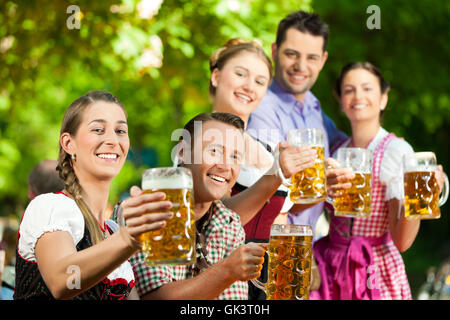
(66, 249)
(360, 258)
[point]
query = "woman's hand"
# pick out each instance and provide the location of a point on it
(295, 159)
(337, 178)
(144, 212)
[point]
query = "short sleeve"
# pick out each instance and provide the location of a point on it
(391, 168)
(264, 125)
(48, 213)
(149, 278)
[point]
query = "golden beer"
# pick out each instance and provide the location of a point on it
(308, 186)
(289, 267)
(355, 201)
(175, 243)
(421, 187)
(421, 195)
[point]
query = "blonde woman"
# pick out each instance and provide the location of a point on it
(66, 249)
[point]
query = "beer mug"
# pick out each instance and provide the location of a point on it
(309, 185)
(174, 244)
(355, 201)
(289, 267)
(421, 188)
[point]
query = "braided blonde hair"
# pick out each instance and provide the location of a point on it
(232, 48)
(70, 124)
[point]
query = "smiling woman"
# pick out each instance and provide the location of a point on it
(84, 142)
(66, 232)
(362, 93)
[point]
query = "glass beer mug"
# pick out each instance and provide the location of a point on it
(309, 185)
(355, 201)
(174, 244)
(421, 188)
(289, 267)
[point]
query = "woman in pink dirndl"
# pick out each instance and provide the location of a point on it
(360, 258)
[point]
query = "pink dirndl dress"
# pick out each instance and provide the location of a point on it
(358, 260)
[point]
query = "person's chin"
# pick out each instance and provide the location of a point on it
(215, 192)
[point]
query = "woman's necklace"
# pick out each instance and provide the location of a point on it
(105, 227)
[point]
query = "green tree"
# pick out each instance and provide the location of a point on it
(152, 55)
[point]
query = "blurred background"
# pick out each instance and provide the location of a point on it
(153, 55)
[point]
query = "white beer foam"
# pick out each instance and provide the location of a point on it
(296, 234)
(177, 182)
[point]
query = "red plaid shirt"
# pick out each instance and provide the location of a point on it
(224, 234)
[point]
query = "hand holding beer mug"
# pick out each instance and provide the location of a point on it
(356, 200)
(289, 267)
(421, 186)
(308, 185)
(174, 243)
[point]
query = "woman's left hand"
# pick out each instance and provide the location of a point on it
(337, 178)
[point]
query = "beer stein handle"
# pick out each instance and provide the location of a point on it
(117, 215)
(259, 285)
(286, 182)
(330, 201)
(444, 197)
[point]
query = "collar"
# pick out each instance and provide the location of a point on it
(381, 134)
(290, 103)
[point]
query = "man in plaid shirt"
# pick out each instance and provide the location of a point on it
(223, 269)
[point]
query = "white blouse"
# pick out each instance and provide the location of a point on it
(391, 165)
(250, 175)
(56, 212)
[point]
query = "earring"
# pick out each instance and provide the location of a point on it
(74, 157)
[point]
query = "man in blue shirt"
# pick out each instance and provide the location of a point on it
(299, 54)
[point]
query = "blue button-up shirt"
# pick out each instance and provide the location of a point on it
(279, 112)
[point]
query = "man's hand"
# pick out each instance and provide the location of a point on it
(245, 262)
(295, 159)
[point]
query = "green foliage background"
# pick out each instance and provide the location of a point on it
(44, 66)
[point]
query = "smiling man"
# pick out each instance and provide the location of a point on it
(299, 54)
(224, 263)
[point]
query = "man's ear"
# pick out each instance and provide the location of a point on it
(324, 59)
(274, 51)
(183, 152)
